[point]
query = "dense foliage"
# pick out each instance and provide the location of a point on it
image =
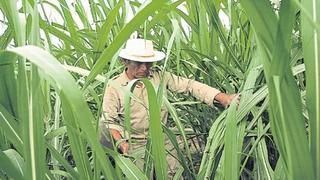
(53, 75)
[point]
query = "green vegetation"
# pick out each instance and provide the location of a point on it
(53, 75)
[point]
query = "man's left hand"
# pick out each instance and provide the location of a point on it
(226, 99)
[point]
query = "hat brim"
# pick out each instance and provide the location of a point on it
(158, 56)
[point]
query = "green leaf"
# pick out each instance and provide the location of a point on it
(11, 128)
(311, 56)
(12, 164)
(155, 129)
(231, 138)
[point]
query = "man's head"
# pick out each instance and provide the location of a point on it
(137, 69)
(138, 57)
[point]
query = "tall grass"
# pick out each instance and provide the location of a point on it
(51, 94)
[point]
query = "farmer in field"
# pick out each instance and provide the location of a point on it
(138, 56)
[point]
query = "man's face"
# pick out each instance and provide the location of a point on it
(138, 69)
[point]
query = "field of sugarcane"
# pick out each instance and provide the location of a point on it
(53, 76)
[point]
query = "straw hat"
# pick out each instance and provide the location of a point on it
(141, 50)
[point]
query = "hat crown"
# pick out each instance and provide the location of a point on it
(140, 47)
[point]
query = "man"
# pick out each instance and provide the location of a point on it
(138, 57)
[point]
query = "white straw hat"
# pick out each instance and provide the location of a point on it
(141, 50)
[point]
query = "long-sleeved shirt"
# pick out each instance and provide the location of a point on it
(114, 101)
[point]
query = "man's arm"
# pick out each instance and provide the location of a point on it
(110, 121)
(198, 90)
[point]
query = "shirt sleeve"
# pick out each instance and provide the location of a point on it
(198, 90)
(111, 106)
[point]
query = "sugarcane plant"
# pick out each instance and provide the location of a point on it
(53, 75)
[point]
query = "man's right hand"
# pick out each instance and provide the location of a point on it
(124, 147)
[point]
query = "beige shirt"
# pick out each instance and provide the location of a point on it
(114, 101)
